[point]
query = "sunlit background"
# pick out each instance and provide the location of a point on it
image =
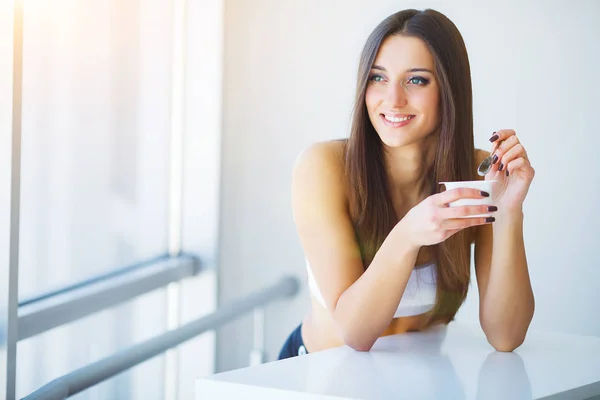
(97, 124)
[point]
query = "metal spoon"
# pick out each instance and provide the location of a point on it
(486, 164)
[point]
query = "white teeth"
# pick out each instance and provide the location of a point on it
(392, 119)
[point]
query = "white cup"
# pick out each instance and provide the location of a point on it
(486, 186)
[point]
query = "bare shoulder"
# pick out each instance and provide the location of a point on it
(329, 154)
(320, 212)
(321, 164)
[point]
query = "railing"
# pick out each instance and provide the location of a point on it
(86, 377)
(68, 304)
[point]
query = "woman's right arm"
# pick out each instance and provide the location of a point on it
(361, 303)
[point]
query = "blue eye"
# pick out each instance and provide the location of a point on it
(375, 78)
(418, 80)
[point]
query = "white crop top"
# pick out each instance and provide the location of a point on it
(419, 294)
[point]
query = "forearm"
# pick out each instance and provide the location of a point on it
(508, 306)
(367, 307)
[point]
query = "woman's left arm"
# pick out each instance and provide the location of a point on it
(506, 301)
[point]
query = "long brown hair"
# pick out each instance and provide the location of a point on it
(370, 203)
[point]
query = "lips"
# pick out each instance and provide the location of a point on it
(396, 120)
(397, 117)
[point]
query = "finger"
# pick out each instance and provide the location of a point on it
(517, 151)
(496, 144)
(452, 195)
(522, 165)
(501, 135)
(502, 149)
(462, 223)
(466, 211)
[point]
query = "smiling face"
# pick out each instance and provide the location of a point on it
(402, 95)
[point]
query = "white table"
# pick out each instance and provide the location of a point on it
(453, 362)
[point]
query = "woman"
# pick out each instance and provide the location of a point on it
(385, 253)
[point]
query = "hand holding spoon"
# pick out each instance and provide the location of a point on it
(486, 164)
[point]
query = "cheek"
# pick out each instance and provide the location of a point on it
(370, 100)
(427, 101)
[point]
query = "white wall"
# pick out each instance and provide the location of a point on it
(201, 182)
(289, 81)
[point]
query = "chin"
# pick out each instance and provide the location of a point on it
(396, 140)
(401, 139)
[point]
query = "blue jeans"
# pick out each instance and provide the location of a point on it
(294, 345)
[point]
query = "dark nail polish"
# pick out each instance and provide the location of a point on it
(506, 172)
(494, 138)
(495, 159)
(492, 208)
(485, 194)
(500, 167)
(490, 219)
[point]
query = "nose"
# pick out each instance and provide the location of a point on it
(396, 95)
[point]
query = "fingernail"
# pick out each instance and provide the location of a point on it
(500, 167)
(490, 219)
(494, 138)
(492, 208)
(506, 172)
(495, 159)
(485, 194)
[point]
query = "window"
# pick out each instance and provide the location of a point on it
(96, 102)
(96, 135)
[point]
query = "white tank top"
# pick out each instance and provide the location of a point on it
(419, 294)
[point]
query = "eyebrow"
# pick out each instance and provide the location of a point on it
(380, 68)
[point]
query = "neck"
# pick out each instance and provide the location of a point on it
(408, 167)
